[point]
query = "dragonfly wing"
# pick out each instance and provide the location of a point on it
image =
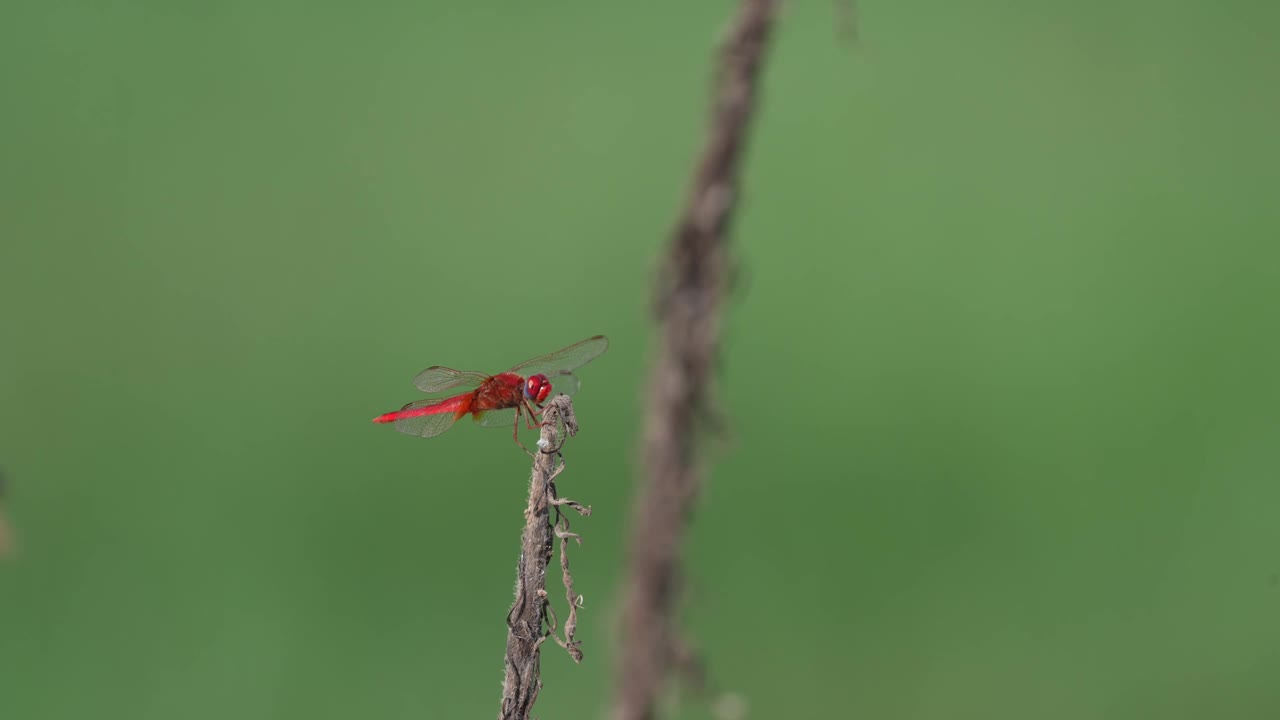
(439, 378)
(566, 360)
(506, 417)
(564, 384)
(426, 425)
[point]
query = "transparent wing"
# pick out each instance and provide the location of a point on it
(564, 361)
(506, 417)
(425, 425)
(564, 383)
(439, 378)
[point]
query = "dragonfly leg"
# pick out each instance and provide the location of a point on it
(515, 433)
(531, 412)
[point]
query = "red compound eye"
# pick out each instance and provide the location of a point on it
(537, 388)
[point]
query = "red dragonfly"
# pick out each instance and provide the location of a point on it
(493, 400)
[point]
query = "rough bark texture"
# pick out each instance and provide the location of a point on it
(691, 287)
(532, 619)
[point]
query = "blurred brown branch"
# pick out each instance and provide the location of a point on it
(691, 286)
(532, 619)
(6, 536)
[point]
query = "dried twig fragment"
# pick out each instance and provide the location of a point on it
(692, 284)
(532, 619)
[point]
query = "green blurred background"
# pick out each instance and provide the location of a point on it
(1001, 367)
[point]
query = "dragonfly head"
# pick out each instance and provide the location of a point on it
(537, 388)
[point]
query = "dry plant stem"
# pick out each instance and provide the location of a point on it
(532, 619)
(692, 285)
(6, 537)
